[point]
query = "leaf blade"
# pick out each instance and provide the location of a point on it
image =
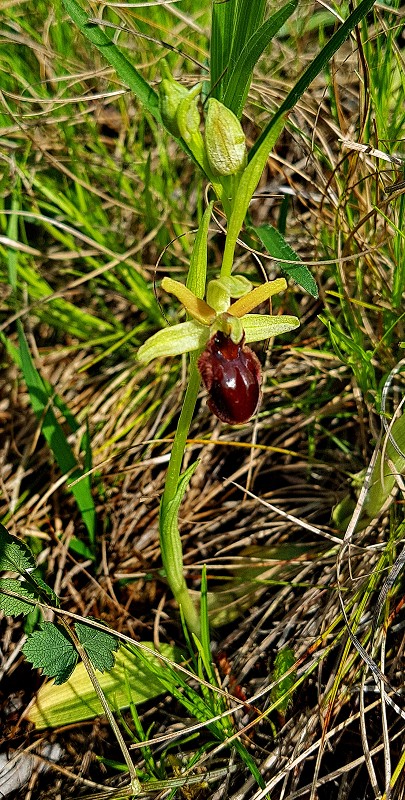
(53, 432)
(15, 555)
(113, 55)
(13, 606)
(76, 700)
(241, 75)
(316, 66)
(277, 246)
(98, 645)
(50, 650)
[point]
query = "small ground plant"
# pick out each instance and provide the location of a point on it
(259, 603)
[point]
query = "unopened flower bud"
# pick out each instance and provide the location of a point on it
(171, 94)
(224, 139)
(188, 116)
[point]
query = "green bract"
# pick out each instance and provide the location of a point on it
(233, 319)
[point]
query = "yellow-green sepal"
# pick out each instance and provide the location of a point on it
(259, 327)
(173, 341)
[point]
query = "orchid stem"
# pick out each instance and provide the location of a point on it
(170, 540)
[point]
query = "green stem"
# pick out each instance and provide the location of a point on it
(170, 541)
(183, 427)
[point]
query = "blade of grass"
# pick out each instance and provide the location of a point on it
(249, 17)
(266, 141)
(111, 52)
(41, 400)
(314, 69)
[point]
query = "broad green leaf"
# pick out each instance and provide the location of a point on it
(51, 650)
(40, 400)
(98, 645)
(15, 555)
(277, 246)
(316, 66)
(240, 79)
(11, 605)
(76, 700)
(113, 55)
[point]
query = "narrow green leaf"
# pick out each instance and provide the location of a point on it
(11, 605)
(248, 19)
(281, 693)
(222, 25)
(316, 66)
(266, 141)
(171, 543)
(205, 629)
(98, 645)
(15, 555)
(40, 400)
(197, 274)
(77, 700)
(50, 649)
(277, 246)
(241, 75)
(113, 55)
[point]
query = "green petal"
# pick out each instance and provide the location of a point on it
(174, 341)
(220, 291)
(263, 326)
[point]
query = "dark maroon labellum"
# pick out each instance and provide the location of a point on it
(232, 377)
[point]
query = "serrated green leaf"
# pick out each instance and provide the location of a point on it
(98, 645)
(77, 700)
(277, 246)
(15, 555)
(51, 650)
(43, 589)
(12, 606)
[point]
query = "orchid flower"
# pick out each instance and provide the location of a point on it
(222, 329)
